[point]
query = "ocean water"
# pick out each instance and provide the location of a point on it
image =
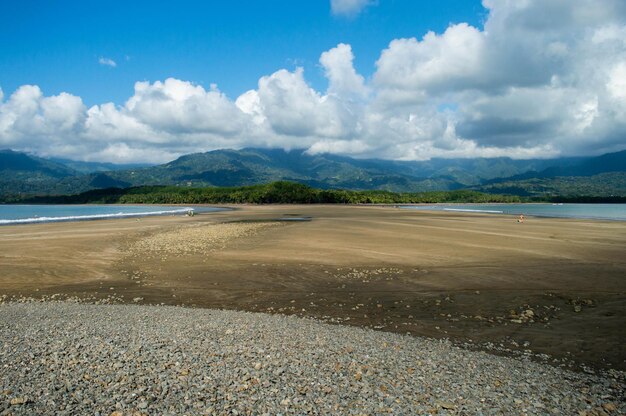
(588, 211)
(29, 214)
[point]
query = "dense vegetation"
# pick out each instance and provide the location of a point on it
(604, 185)
(273, 193)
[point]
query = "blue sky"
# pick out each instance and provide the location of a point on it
(148, 81)
(57, 45)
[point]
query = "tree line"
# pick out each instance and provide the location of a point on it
(283, 192)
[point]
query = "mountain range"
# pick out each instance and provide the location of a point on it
(23, 174)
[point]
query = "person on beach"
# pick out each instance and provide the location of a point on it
(521, 218)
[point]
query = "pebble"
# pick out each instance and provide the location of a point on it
(18, 401)
(75, 358)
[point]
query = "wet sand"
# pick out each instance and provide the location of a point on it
(550, 286)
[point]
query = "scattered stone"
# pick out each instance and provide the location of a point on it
(193, 239)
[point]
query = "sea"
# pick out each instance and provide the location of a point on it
(584, 211)
(29, 214)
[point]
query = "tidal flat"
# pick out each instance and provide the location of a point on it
(551, 288)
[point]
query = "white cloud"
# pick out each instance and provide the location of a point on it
(288, 103)
(107, 62)
(616, 84)
(343, 78)
(437, 63)
(40, 121)
(536, 77)
(292, 108)
(349, 8)
(540, 79)
(176, 106)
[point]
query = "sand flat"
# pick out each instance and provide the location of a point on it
(439, 274)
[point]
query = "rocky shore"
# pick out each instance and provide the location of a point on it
(68, 358)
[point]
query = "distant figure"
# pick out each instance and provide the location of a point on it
(521, 218)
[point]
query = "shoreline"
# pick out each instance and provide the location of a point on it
(183, 208)
(180, 210)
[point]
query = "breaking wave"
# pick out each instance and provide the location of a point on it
(93, 216)
(490, 211)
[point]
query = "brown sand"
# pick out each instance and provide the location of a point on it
(554, 286)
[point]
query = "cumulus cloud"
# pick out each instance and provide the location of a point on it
(31, 120)
(349, 8)
(539, 79)
(437, 63)
(292, 108)
(107, 62)
(176, 106)
(342, 77)
(539, 75)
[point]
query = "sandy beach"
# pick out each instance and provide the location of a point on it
(548, 286)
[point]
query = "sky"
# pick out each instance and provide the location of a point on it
(148, 81)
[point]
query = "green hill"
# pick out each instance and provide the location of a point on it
(601, 185)
(22, 174)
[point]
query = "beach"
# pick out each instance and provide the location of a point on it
(287, 309)
(550, 288)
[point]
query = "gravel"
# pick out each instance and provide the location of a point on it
(65, 358)
(197, 238)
